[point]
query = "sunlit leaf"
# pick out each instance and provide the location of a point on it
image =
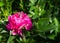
(1, 4)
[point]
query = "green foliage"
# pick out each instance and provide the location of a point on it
(45, 15)
(1, 4)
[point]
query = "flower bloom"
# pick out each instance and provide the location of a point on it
(17, 22)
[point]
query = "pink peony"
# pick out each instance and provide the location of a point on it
(17, 22)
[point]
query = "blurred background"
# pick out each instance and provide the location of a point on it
(45, 15)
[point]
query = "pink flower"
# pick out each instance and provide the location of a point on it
(17, 22)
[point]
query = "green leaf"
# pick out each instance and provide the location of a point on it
(34, 15)
(0, 38)
(10, 40)
(57, 25)
(33, 1)
(43, 25)
(52, 36)
(1, 4)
